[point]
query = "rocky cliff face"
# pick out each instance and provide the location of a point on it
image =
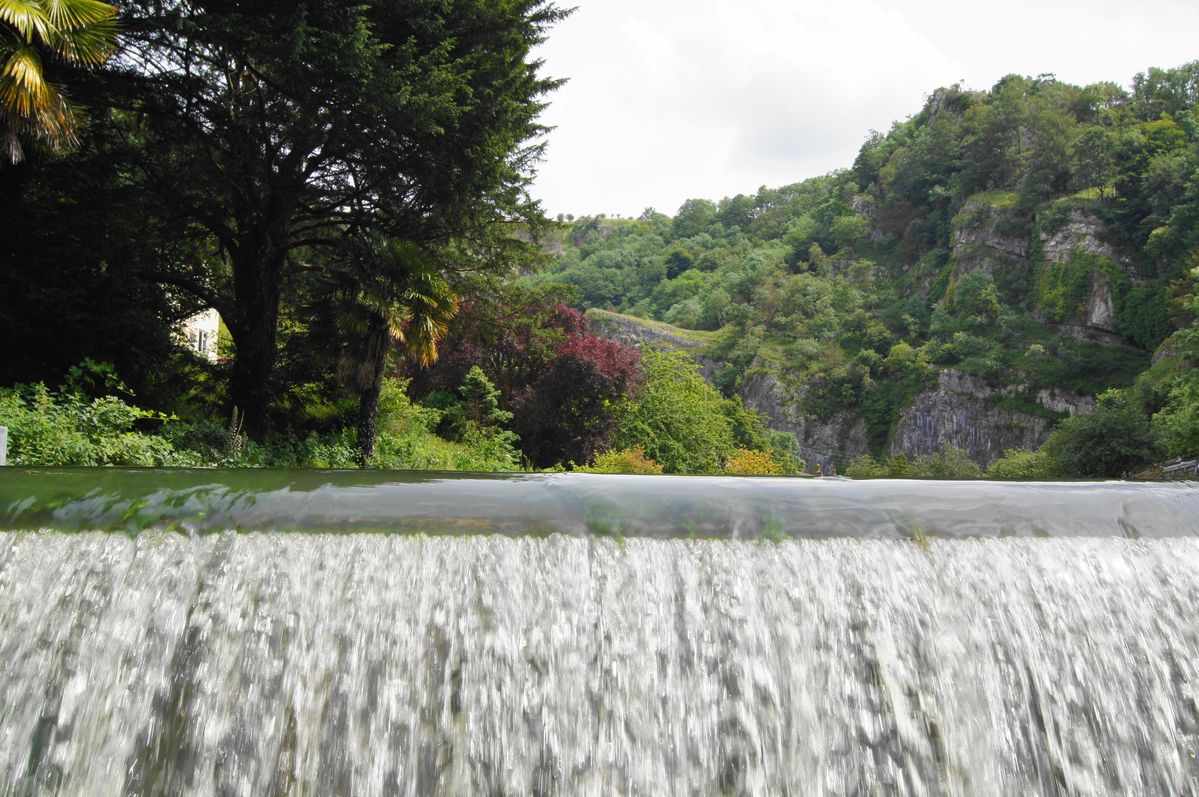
(993, 240)
(963, 411)
(985, 237)
(839, 438)
(1079, 235)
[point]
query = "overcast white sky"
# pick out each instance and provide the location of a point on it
(673, 99)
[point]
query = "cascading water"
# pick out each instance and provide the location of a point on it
(905, 652)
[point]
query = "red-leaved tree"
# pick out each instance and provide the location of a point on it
(566, 414)
(556, 376)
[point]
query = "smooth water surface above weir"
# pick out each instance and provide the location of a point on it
(773, 637)
(654, 506)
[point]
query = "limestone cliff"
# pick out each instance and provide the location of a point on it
(964, 412)
(1065, 258)
(821, 441)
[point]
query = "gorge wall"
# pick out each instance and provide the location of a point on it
(983, 418)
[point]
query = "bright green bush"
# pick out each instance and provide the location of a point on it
(866, 467)
(1020, 465)
(47, 428)
(1178, 421)
(677, 418)
(407, 441)
(949, 462)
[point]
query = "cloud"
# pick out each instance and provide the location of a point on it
(670, 99)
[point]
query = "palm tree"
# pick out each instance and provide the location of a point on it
(385, 295)
(31, 31)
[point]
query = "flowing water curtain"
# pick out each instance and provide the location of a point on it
(260, 663)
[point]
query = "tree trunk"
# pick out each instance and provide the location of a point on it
(368, 420)
(374, 350)
(255, 330)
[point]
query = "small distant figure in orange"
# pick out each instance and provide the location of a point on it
(818, 472)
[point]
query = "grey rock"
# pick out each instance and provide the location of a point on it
(958, 413)
(634, 332)
(1080, 233)
(821, 441)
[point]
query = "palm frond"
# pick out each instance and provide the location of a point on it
(75, 14)
(79, 31)
(27, 17)
(90, 45)
(23, 89)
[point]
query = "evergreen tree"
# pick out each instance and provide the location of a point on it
(276, 126)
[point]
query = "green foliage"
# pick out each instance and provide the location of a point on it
(1142, 314)
(1089, 368)
(677, 418)
(949, 462)
(774, 531)
(974, 300)
(899, 378)
(1063, 288)
(847, 294)
(1177, 422)
(417, 122)
(479, 401)
(865, 466)
(1112, 441)
(210, 443)
(745, 462)
(477, 423)
(80, 32)
(629, 460)
(68, 428)
(1020, 465)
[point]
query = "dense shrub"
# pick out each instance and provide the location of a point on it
(406, 430)
(1113, 440)
(949, 462)
(566, 413)
(1020, 465)
(48, 428)
(677, 417)
(629, 460)
(745, 462)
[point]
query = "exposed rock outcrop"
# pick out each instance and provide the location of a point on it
(984, 238)
(1080, 233)
(639, 332)
(1065, 402)
(987, 236)
(841, 437)
(963, 411)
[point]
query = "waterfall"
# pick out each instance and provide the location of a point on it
(355, 663)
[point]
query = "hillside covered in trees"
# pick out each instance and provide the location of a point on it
(982, 271)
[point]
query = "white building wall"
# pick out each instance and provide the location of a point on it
(200, 333)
